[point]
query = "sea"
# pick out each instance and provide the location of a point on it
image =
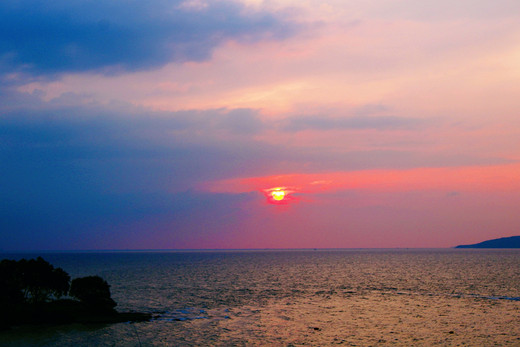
(315, 297)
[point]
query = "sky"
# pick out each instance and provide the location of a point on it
(167, 124)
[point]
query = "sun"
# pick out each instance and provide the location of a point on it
(278, 194)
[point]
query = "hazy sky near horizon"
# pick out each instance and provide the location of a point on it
(163, 123)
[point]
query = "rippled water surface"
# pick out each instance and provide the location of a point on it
(198, 297)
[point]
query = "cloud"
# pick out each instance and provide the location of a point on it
(122, 148)
(357, 122)
(447, 10)
(95, 148)
(45, 38)
(99, 177)
(70, 173)
(243, 121)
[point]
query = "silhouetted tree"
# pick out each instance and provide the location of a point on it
(93, 291)
(41, 280)
(32, 281)
(26, 285)
(11, 289)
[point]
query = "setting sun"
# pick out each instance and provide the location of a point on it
(278, 194)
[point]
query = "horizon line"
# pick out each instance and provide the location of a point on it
(2, 251)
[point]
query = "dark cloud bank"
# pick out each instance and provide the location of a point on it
(52, 37)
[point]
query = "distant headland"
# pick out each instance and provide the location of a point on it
(504, 242)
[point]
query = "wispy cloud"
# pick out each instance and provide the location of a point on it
(357, 122)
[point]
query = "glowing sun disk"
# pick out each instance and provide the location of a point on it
(278, 195)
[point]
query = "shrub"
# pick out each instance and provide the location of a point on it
(93, 291)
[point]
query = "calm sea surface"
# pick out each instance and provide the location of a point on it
(217, 297)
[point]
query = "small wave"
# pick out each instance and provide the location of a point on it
(191, 313)
(478, 296)
(513, 298)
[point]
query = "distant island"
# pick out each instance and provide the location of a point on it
(504, 242)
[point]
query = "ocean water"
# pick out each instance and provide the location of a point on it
(296, 297)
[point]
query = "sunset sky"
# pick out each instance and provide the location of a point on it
(166, 124)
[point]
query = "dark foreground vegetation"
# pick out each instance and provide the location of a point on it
(31, 292)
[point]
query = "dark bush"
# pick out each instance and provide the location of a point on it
(93, 291)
